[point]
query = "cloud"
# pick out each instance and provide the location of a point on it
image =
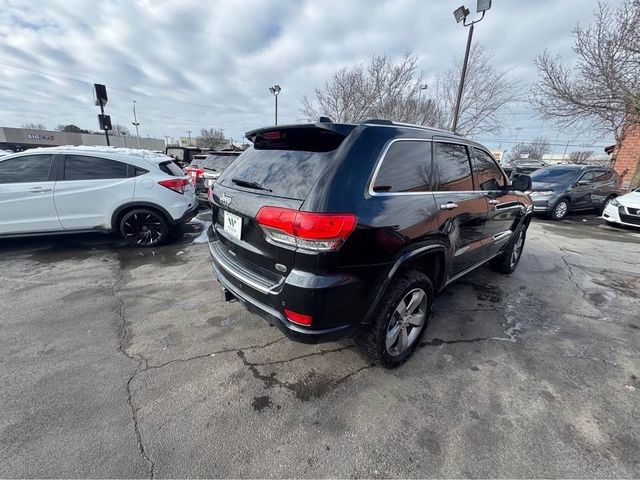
(191, 65)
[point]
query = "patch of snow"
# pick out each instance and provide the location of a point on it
(203, 237)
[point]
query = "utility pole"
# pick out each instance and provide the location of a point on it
(189, 132)
(135, 123)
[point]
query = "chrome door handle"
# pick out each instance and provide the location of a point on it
(448, 206)
(494, 202)
(39, 190)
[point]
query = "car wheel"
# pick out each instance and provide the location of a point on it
(400, 321)
(508, 260)
(144, 227)
(560, 209)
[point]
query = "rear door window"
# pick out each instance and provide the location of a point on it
(487, 174)
(452, 168)
(30, 168)
(406, 167)
(79, 167)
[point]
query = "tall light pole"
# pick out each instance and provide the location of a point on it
(276, 91)
(461, 13)
(189, 133)
(135, 123)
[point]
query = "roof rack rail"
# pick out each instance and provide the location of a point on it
(378, 121)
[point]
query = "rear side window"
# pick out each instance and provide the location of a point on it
(451, 168)
(602, 176)
(284, 173)
(30, 168)
(78, 167)
(488, 175)
(406, 167)
(283, 163)
(217, 163)
(170, 168)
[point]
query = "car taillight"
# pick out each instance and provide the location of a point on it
(194, 173)
(175, 184)
(210, 194)
(298, 318)
(307, 230)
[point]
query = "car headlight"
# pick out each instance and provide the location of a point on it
(615, 202)
(546, 193)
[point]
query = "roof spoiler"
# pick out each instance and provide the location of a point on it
(342, 129)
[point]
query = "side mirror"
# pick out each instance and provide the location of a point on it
(582, 183)
(521, 182)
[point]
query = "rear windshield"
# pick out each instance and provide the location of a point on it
(555, 175)
(170, 168)
(285, 163)
(217, 163)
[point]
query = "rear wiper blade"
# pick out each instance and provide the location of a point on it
(250, 184)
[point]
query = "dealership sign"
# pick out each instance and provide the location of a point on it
(37, 136)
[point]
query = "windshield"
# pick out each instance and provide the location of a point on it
(555, 175)
(217, 163)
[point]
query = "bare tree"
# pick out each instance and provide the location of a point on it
(383, 89)
(396, 91)
(487, 92)
(119, 129)
(581, 156)
(212, 139)
(535, 149)
(601, 90)
(34, 126)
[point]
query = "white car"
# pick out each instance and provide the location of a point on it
(624, 210)
(138, 193)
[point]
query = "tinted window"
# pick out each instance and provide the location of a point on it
(602, 176)
(555, 175)
(217, 163)
(588, 176)
(197, 160)
(486, 171)
(31, 168)
(406, 167)
(170, 168)
(452, 168)
(77, 167)
(286, 173)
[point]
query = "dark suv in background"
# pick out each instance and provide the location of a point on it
(559, 189)
(331, 230)
(204, 170)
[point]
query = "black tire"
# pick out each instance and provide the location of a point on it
(508, 260)
(560, 209)
(605, 203)
(144, 227)
(374, 339)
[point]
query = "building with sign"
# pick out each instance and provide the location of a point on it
(18, 139)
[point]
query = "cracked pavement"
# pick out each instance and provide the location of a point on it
(120, 362)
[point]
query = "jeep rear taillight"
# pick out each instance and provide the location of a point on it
(175, 184)
(306, 230)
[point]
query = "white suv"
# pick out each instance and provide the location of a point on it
(138, 193)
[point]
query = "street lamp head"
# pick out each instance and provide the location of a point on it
(483, 6)
(461, 13)
(275, 89)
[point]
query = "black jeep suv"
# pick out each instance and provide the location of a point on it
(331, 230)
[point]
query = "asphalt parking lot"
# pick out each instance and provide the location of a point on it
(122, 362)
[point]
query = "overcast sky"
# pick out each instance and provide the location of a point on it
(201, 64)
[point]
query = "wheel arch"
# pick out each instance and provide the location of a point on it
(126, 207)
(429, 259)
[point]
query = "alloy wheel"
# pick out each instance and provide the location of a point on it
(406, 322)
(143, 228)
(561, 209)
